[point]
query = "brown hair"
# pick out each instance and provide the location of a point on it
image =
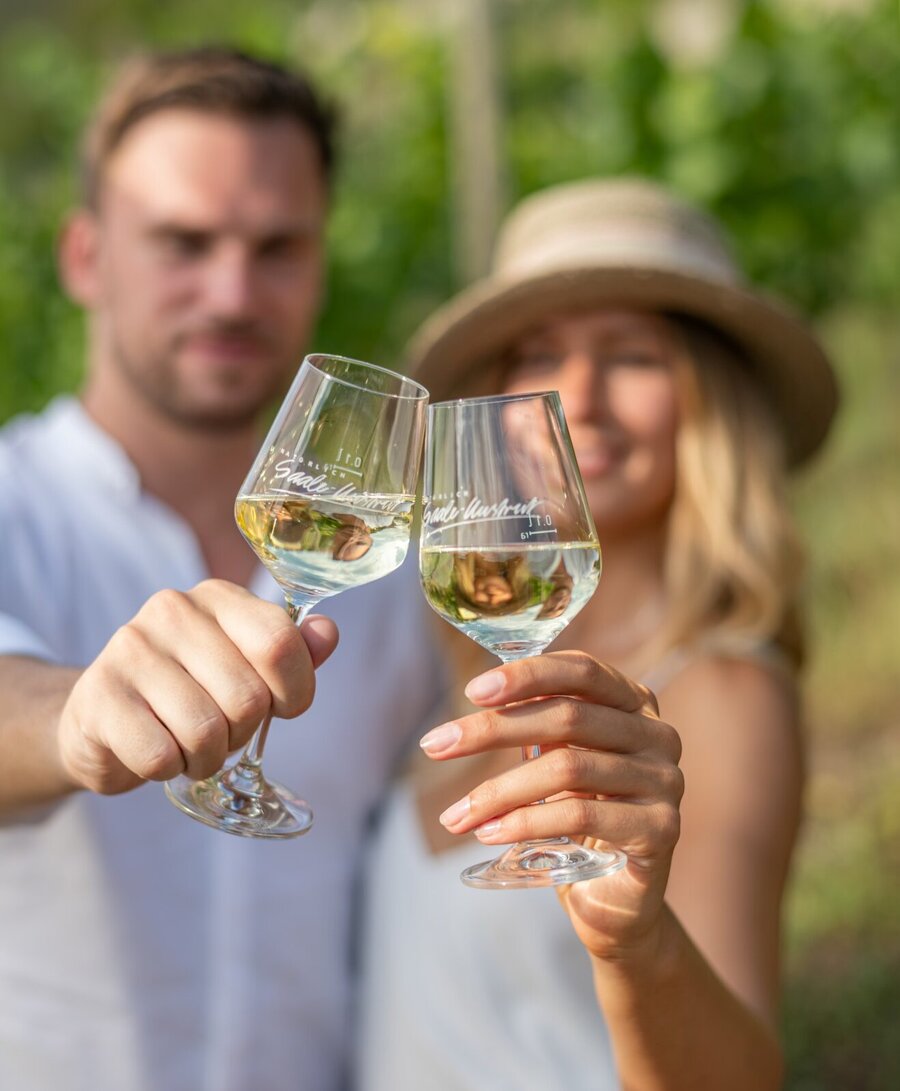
(217, 79)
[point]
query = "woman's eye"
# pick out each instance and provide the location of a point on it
(635, 360)
(536, 361)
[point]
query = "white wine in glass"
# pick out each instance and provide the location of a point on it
(509, 555)
(327, 505)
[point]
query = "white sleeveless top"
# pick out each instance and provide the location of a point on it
(470, 990)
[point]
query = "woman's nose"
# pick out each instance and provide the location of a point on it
(580, 385)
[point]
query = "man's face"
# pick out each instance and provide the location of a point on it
(208, 262)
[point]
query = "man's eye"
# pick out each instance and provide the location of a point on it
(183, 244)
(279, 248)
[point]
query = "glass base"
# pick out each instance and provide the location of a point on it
(273, 812)
(553, 862)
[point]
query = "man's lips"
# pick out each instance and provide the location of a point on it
(227, 346)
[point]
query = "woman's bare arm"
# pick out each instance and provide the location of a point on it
(685, 967)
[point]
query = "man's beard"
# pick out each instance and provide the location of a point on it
(156, 380)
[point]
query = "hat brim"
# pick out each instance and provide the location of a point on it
(451, 348)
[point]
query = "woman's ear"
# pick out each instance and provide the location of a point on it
(78, 257)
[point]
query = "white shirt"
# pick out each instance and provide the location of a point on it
(469, 990)
(140, 950)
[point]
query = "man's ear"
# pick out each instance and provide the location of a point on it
(78, 256)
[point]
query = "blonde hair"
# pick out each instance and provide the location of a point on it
(734, 563)
(733, 559)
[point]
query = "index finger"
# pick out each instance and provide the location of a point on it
(569, 674)
(282, 655)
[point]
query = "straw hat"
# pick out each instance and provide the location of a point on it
(627, 242)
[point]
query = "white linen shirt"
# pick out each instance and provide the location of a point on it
(139, 949)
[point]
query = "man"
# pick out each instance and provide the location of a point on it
(141, 949)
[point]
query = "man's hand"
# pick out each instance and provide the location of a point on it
(185, 683)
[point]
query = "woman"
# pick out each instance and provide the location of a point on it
(687, 395)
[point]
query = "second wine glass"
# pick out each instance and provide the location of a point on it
(509, 555)
(327, 505)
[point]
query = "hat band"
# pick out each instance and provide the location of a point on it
(615, 246)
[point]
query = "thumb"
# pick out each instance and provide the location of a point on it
(321, 636)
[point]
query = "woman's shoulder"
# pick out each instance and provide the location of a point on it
(723, 691)
(715, 661)
(742, 751)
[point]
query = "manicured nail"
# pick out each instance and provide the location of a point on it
(441, 738)
(486, 686)
(489, 830)
(456, 813)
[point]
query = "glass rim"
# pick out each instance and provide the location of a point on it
(421, 394)
(499, 398)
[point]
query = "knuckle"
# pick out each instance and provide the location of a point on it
(486, 798)
(207, 593)
(568, 765)
(671, 741)
(161, 762)
(589, 669)
(250, 703)
(298, 702)
(481, 726)
(209, 732)
(128, 642)
(528, 671)
(282, 647)
(101, 783)
(673, 782)
(647, 696)
(298, 698)
(578, 814)
(668, 825)
(166, 607)
(211, 586)
(569, 714)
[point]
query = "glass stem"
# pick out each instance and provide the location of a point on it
(245, 776)
(533, 750)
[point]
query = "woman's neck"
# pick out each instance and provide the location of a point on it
(629, 606)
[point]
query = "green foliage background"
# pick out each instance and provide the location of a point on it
(788, 130)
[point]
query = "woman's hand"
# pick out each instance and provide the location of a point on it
(609, 772)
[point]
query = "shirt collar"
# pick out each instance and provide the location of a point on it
(83, 447)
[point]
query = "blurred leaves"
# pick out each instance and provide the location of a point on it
(787, 130)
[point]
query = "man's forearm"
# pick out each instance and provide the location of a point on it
(32, 696)
(675, 1025)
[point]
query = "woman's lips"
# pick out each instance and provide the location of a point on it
(594, 461)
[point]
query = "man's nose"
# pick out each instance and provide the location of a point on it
(229, 282)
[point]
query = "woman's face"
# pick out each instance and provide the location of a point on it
(614, 370)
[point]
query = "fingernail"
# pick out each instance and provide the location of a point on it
(456, 813)
(441, 738)
(486, 686)
(489, 830)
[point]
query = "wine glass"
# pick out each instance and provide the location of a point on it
(509, 555)
(327, 505)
